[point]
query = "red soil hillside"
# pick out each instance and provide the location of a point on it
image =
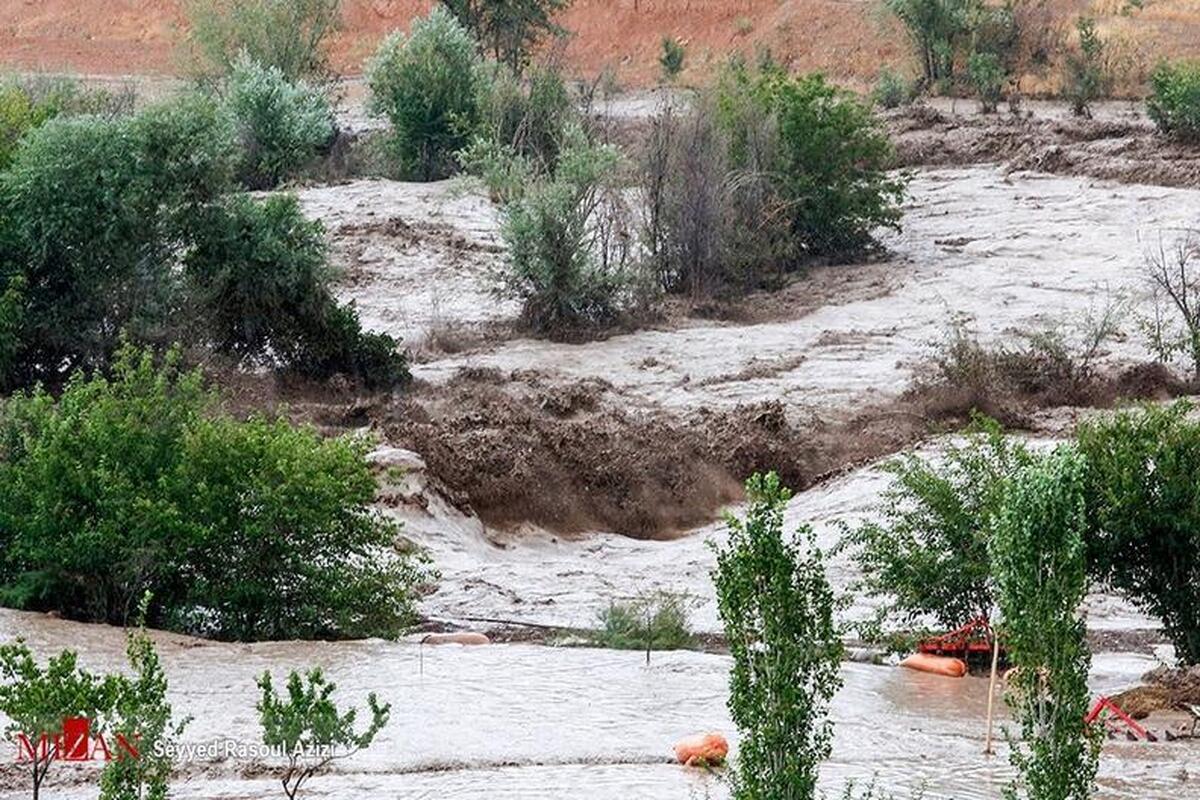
(850, 39)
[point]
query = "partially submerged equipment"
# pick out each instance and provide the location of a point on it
(464, 637)
(973, 641)
(936, 665)
(704, 749)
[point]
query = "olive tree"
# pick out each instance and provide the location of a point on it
(1039, 561)
(1144, 508)
(777, 609)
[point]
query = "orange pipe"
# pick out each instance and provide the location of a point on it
(936, 665)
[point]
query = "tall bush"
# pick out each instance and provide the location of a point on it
(1174, 103)
(291, 36)
(426, 84)
(282, 125)
(928, 555)
(509, 30)
(136, 483)
(1144, 507)
(777, 609)
(1087, 73)
(938, 29)
(1038, 554)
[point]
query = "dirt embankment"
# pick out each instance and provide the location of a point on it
(1120, 145)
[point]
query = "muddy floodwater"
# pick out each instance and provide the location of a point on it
(1002, 253)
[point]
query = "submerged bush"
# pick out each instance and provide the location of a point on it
(282, 125)
(893, 90)
(426, 84)
(656, 622)
(241, 530)
(1174, 104)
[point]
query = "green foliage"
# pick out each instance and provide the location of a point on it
(28, 103)
(36, 700)
(1144, 506)
(987, 75)
(893, 90)
(427, 85)
(259, 277)
(508, 29)
(143, 716)
(832, 170)
(241, 530)
(939, 29)
(654, 622)
(673, 56)
(288, 35)
(282, 125)
(1174, 104)
(928, 555)
(310, 728)
(563, 264)
(1038, 557)
(777, 609)
(1087, 73)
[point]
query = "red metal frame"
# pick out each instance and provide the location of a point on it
(972, 639)
(1105, 704)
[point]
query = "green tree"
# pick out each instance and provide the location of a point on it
(289, 35)
(1144, 508)
(777, 609)
(987, 75)
(1038, 555)
(928, 555)
(142, 715)
(509, 29)
(426, 84)
(1087, 74)
(938, 29)
(1174, 103)
(310, 728)
(241, 530)
(37, 700)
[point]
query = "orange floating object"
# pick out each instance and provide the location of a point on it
(704, 748)
(936, 665)
(456, 638)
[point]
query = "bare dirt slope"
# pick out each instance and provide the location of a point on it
(849, 39)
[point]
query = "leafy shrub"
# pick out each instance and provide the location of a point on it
(1144, 507)
(928, 555)
(288, 35)
(30, 102)
(832, 164)
(1174, 104)
(672, 58)
(893, 90)
(1038, 557)
(655, 622)
(134, 483)
(282, 125)
(987, 77)
(508, 29)
(18, 115)
(426, 84)
(777, 608)
(1087, 76)
(565, 264)
(310, 728)
(938, 29)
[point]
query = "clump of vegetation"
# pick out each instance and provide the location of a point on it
(674, 53)
(568, 260)
(1040, 570)
(654, 622)
(1174, 103)
(509, 29)
(36, 700)
(777, 608)
(1143, 501)
(426, 84)
(1174, 277)
(28, 103)
(310, 728)
(939, 29)
(1087, 73)
(281, 124)
(290, 36)
(928, 555)
(892, 89)
(136, 483)
(987, 76)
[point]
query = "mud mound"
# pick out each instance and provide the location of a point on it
(1126, 149)
(1165, 689)
(575, 457)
